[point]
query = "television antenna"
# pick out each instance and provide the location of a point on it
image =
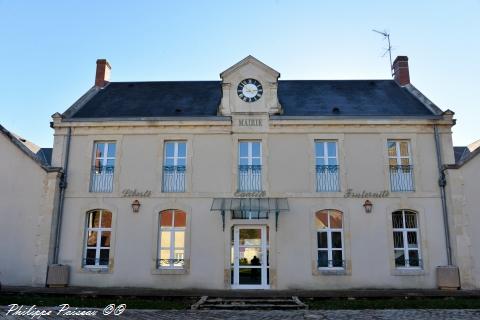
(386, 35)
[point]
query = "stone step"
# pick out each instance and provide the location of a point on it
(249, 303)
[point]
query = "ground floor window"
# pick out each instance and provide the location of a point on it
(329, 225)
(98, 237)
(406, 239)
(172, 239)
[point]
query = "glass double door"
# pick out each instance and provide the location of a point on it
(250, 254)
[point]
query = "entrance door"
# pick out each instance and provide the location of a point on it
(250, 257)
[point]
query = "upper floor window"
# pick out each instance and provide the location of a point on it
(172, 239)
(101, 178)
(174, 166)
(326, 165)
(406, 239)
(400, 164)
(98, 235)
(329, 225)
(249, 166)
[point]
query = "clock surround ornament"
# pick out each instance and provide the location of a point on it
(250, 90)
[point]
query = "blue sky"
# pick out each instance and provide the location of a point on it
(49, 48)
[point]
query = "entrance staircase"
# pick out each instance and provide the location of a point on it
(250, 303)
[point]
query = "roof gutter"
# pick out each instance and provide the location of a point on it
(442, 182)
(63, 186)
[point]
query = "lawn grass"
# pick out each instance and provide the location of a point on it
(160, 303)
(394, 303)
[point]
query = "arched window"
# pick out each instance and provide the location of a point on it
(98, 235)
(329, 225)
(171, 239)
(406, 239)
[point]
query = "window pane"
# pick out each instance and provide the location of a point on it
(180, 218)
(411, 220)
(243, 161)
(413, 258)
(243, 149)
(332, 161)
(403, 148)
(250, 256)
(319, 149)
(337, 240)
(256, 161)
(412, 239)
(104, 255)
(321, 220)
(90, 258)
(322, 240)
(94, 219)
(322, 258)
(250, 276)
(405, 162)
(392, 161)
(332, 149)
(250, 237)
(398, 239)
(165, 254)
(106, 219)
(92, 239)
(181, 161)
(335, 219)
(397, 220)
(179, 254)
(320, 162)
(182, 149)
(179, 239)
(169, 149)
(392, 151)
(166, 218)
(255, 149)
(337, 259)
(165, 239)
(169, 162)
(110, 163)
(399, 258)
(111, 150)
(105, 240)
(99, 150)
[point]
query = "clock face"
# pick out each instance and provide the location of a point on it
(249, 90)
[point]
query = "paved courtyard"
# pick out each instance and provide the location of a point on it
(409, 314)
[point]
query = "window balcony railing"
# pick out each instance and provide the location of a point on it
(401, 178)
(408, 263)
(249, 178)
(331, 264)
(170, 263)
(327, 178)
(101, 179)
(173, 179)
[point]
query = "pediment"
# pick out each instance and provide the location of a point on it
(253, 62)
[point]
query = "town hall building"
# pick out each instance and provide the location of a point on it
(253, 182)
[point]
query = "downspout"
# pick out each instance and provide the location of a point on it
(442, 182)
(63, 186)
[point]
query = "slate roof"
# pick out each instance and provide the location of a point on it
(45, 154)
(299, 98)
(460, 153)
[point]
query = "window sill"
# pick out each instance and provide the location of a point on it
(408, 272)
(330, 272)
(85, 269)
(171, 271)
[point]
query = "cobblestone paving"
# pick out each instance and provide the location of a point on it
(409, 314)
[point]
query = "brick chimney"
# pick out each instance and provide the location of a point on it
(102, 76)
(401, 75)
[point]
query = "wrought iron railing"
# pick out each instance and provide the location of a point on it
(173, 179)
(408, 263)
(327, 178)
(101, 179)
(170, 263)
(332, 264)
(92, 262)
(249, 178)
(401, 178)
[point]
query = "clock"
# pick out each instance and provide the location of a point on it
(249, 90)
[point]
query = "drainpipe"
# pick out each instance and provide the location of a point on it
(63, 186)
(442, 182)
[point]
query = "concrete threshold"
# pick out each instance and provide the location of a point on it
(148, 292)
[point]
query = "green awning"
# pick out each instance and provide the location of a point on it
(250, 204)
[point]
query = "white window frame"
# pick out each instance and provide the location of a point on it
(329, 248)
(105, 158)
(98, 245)
(172, 229)
(175, 156)
(326, 157)
(250, 155)
(102, 181)
(398, 157)
(405, 247)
